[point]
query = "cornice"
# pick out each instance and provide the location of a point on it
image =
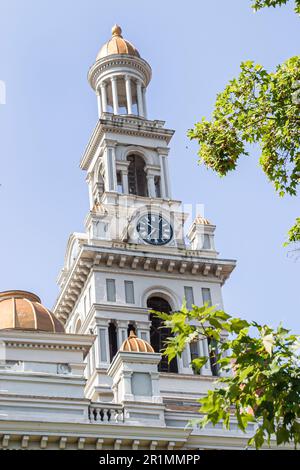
(46, 341)
(104, 64)
(122, 255)
(133, 126)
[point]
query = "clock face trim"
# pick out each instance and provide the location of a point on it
(154, 229)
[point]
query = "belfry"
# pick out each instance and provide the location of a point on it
(100, 373)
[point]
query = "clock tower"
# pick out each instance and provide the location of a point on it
(134, 254)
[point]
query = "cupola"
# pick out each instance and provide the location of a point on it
(120, 77)
(22, 310)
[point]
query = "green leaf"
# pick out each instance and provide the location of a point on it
(282, 435)
(268, 342)
(199, 362)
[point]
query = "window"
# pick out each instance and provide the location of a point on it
(129, 292)
(206, 242)
(137, 180)
(78, 326)
(189, 296)
(113, 343)
(159, 334)
(206, 296)
(120, 188)
(157, 186)
(111, 290)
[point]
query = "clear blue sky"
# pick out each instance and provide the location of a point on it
(194, 48)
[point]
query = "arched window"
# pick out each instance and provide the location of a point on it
(78, 326)
(137, 180)
(158, 335)
(113, 343)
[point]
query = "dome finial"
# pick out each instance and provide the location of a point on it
(116, 30)
(132, 334)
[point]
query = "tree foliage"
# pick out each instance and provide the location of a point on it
(259, 370)
(257, 107)
(259, 4)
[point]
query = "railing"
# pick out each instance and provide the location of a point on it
(105, 413)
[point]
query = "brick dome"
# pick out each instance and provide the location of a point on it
(22, 310)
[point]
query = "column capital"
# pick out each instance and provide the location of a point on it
(122, 323)
(102, 322)
(127, 374)
(164, 151)
(113, 78)
(110, 143)
(152, 170)
(122, 166)
(145, 324)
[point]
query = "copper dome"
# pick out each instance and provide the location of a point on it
(117, 45)
(135, 344)
(23, 311)
(201, 220)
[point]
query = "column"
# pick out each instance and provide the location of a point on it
(151, 185)
(121, 332)
(139, 98)
(165, 180)
(162, 178)
(203, 348)
(125, 181)
(89, 180)
(114, 87)
(103, 96)
(110, 167)
(128, 94)
(99, 103)
(145, 103)
(184, 362)
(91, 358)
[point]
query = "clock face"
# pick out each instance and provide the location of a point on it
(154, 229)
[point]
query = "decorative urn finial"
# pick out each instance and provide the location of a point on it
(116, 30)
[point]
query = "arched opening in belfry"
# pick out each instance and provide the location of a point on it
(159, 334)
(137, 179)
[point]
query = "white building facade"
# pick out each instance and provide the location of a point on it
(96, 378)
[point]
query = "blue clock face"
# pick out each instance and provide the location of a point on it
(154, 229)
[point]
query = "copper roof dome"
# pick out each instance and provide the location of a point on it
(117, 45)
(23, 311)
(201, 220)
(135, 344)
